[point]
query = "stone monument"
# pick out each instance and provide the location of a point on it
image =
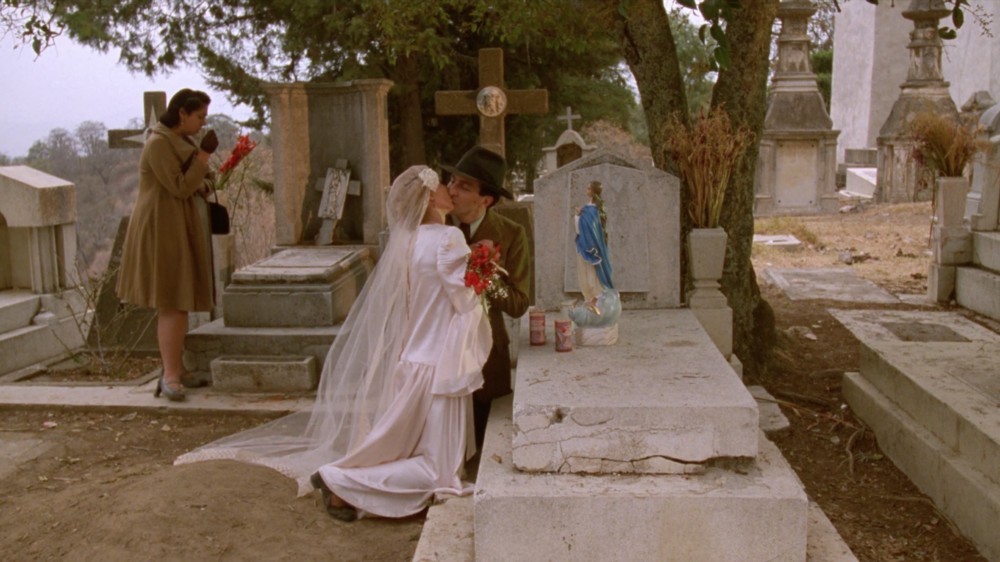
(644, 237)
(923, 91)
(797, 162)
(281, 314)
(42, 316)
(569, 147)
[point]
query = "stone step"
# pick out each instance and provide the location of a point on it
(986, 250)
(757, 513)
(29, 345)
(17, 308)
(663, 400)
(978, 290)
(215, 339)
(263, 373)
(950, 387)
(960, 491)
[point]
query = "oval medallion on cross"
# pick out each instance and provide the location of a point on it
(491, 101)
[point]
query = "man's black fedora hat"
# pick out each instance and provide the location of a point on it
(486, 167)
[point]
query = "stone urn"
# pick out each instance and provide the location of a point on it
(949, 200)
(706, 256)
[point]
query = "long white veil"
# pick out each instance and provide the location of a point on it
(352, 391)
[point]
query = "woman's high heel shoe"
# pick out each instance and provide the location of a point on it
(345, 513)
(173, 393)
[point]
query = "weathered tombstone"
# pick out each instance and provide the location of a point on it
(313, 126)
(923, 91)
(153, 105)
(797, 162)
(42, 316)
(285, 309)
(568, 148)
(643, 228)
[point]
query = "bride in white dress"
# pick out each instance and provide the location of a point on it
(390, 427)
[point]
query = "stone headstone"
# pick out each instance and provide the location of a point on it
(797, 159)
(313, 126)
(643, 229)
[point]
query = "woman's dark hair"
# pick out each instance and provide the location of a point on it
(187, 99)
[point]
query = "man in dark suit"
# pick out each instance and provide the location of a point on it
(476, 185)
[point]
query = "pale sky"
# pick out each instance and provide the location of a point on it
(69, 84)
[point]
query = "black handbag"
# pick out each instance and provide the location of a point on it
(218, 216)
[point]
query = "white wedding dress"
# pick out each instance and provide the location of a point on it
(418, 447)
(391, 424)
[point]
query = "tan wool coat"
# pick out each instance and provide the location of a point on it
(165, 260)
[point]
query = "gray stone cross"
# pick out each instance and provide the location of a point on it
(492, 101)
(568, 118)
(153, 104)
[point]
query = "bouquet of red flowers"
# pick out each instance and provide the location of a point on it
(483, 273)
(244, 146)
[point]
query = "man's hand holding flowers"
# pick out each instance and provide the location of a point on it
(483, 273)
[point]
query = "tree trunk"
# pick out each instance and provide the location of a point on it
(410, 117)
(643, 27)
(742, 91)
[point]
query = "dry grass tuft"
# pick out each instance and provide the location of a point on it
(786, 225)
(706, 153)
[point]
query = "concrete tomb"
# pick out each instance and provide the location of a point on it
(42, 314)
(280, 315)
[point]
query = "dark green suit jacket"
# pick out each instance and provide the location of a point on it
(515, 257)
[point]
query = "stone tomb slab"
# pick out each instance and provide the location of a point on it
(912, 325)
(663, 400)
(760, 513)
(834, 283)
(780, 241)
(298, 287)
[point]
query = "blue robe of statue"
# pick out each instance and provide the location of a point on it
(591, 245)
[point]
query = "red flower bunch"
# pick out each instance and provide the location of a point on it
(483, 273)
(244, 146)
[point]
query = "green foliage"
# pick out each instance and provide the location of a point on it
(695, 57)
(561, 45)
(822, 65)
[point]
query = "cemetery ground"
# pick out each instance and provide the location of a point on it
(105, 487)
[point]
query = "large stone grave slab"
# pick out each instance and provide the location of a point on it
(760, 513)
(928, 389)
(642, 204)
(840, 284)
(663, 400)
(298, 287)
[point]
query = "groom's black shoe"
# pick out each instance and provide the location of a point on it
(345, 513)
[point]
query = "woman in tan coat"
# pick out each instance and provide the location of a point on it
(166, 264)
